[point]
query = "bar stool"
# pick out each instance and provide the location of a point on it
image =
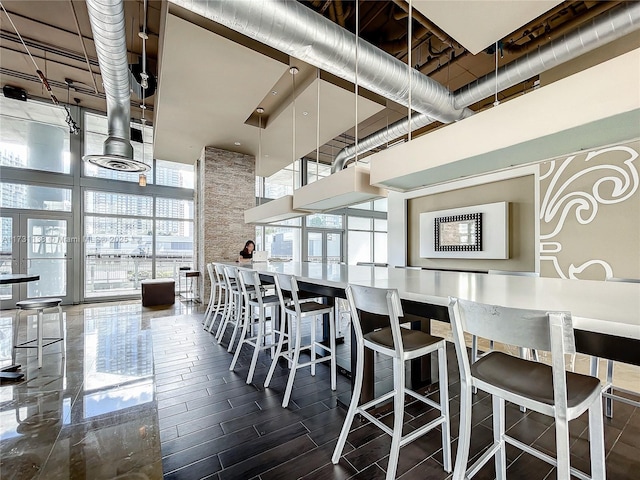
(401, 345)
(250, 284)
(39, 305)
(549, 390)
(234, 308)
(212, 306)
(225, 298)
(294, 309)
(607, 388)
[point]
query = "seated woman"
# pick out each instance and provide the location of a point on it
(247, 253)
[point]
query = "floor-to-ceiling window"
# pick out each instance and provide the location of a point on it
(87, 231)
(367, 232)
(132, 237)
(35, 199)
(354, 234)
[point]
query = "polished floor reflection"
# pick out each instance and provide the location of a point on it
(90, 413)
(142, 393)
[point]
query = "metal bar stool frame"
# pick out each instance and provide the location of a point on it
(254, 297)
(235, 308)
(557, 393)
(607, 387)
(215, 298)
(39, 305)
(294, 308)
(207, 312)
(401, 345)
(225, 302)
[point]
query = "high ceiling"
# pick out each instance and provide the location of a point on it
(212, 79)
(56, 43)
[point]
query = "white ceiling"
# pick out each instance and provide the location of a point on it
(480, 23)
(337, 114)
(209, 86)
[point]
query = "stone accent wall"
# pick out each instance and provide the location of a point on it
(225, 189)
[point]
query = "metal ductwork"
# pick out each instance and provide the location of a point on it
(298, 31)
(609, 27)
(393, 131)
(108, 27)
(604, 29)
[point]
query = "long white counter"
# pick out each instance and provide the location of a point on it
(611, 308)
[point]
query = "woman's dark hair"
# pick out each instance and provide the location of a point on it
(246, 246)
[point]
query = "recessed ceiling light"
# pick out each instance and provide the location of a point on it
(305, 113)
(266, 156)
(273, 92)
(237, 143)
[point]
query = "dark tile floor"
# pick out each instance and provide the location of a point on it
(145, 393)
(214, 425)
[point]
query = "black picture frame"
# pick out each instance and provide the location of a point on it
(447, 236)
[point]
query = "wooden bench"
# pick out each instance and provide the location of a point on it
(158, 291)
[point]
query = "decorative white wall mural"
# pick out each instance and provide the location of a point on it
(574, 197)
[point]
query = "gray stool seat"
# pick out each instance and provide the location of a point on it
(531, 379)
(40, 305)
(411, 339)
(546, 389)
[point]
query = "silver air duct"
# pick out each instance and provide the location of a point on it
(108, 27)
(606, 28)
(393, 131)
(601, 30)
(298, 31)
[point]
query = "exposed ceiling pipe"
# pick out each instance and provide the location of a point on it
(109, 36)
(304, 34)
(400, 45)
(610, 26)
(560, 30)
(340, 15)
(425, 22)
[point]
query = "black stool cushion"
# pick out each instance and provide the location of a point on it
(411, 339)
(530, 379)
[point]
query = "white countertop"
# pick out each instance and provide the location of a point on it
(604, 307)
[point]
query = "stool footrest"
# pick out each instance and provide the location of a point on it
(45, 342)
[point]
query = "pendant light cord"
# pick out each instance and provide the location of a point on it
(73, 127)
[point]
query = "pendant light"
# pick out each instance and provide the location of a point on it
(281, 208)
(349, 186)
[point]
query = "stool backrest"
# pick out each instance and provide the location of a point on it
(249, 277)
(219, 269)
(378, 301)
(245, 280)
(549, 331)
(230, 275)
(287, 283)
(212, 274)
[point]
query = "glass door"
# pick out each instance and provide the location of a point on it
(36, 244)
(8, 259)
(324, 246)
